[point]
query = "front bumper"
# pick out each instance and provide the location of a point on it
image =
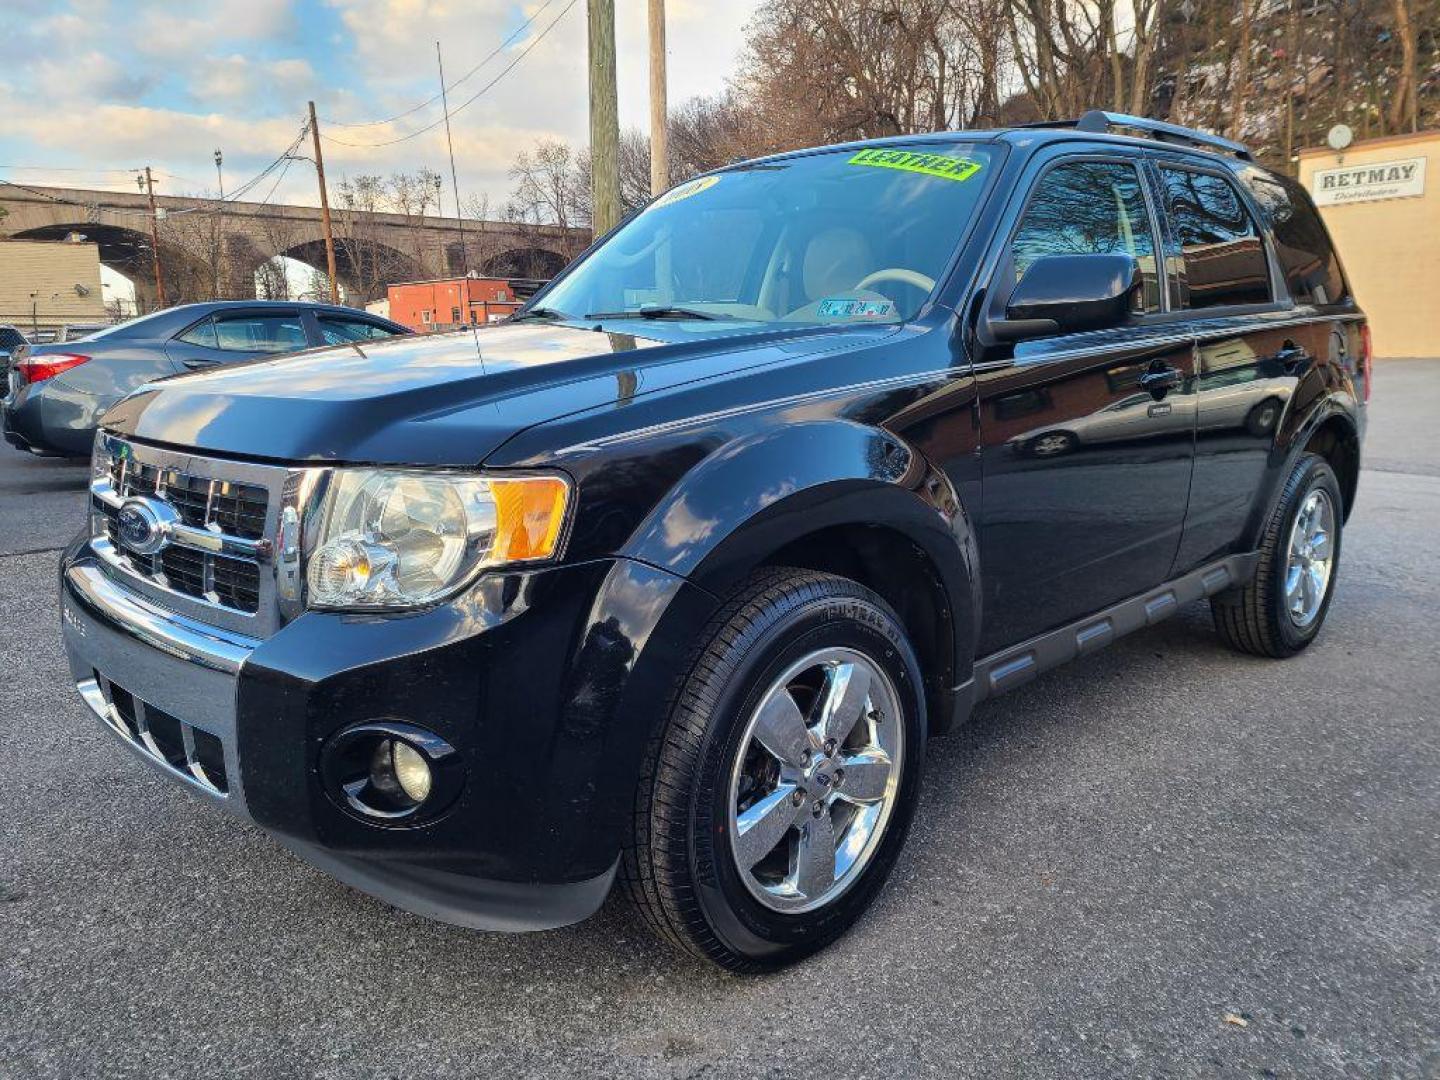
(547, 683)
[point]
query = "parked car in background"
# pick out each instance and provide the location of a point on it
(56, 393)
(10, 340)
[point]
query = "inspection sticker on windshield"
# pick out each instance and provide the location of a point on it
(947, 168)
(684, 191)
(842, 308)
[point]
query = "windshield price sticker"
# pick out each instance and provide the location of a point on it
(684, 191)
(947, 168)
(842, 308)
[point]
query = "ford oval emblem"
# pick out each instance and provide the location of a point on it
(143, 525)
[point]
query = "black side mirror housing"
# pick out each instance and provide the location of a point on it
(1062, 294)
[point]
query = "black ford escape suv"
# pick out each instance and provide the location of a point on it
(671, 577)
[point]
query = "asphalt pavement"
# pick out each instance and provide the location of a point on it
(1163, 861)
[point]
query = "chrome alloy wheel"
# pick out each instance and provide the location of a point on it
(1310, 559)
(815, 780)
(1050, 445)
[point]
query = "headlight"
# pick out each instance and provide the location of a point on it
(399, 538)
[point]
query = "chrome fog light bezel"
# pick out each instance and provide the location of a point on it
(348, 763)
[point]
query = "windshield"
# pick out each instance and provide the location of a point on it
(838, 236)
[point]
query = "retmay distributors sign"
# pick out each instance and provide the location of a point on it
(1367, 183)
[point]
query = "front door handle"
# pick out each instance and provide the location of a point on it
(195, 362)
(1159, 380)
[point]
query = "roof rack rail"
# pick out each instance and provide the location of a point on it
(1099, 121)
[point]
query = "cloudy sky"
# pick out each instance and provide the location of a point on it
(94, 88)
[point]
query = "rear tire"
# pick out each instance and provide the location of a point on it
(1283, 607)
(761, 772)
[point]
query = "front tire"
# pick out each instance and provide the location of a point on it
(774, 802)
(1282, 609)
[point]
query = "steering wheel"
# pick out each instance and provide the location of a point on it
(897, 273)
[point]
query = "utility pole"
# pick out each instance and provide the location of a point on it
(324, 207)
(154, 239)
(220, 226)
(659, 113)
(604, 119)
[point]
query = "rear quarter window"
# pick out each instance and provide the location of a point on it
(1307, 258)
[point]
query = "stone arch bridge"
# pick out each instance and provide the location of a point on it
(210, 249)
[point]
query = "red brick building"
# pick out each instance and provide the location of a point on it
(447, 303)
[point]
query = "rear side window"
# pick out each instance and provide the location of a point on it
(202, 334)
(1312, 270)
(1088, 208)
(261, 333)
(10, 337)
(1224, 256)
(339, 331)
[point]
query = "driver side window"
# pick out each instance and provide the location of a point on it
(1089, 208)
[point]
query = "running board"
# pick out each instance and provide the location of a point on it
(1018, 664)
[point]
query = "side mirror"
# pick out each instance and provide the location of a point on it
(1063, 294)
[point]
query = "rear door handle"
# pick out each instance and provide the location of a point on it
(195, 362)
(1159, 380)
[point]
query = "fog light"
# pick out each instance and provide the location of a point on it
(401, 771)
(391, 773)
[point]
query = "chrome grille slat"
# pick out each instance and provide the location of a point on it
(197, 756)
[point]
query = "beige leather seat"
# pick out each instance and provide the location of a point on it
(835, 259)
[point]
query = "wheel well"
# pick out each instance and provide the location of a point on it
(1336, 442)
(893, 565)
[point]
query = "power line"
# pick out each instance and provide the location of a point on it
(286, 156)
(63, 168)
(69, 202)
(437, 97)
(469, 101)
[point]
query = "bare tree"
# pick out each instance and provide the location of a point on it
(839, 69)
(1405, 105)
(549, 186)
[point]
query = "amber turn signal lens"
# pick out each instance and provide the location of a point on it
(528, 517)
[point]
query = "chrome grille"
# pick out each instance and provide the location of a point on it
(221, 507)
(238, 509)
(218, 579)
(215, 563)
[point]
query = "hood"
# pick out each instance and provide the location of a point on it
(440, 399)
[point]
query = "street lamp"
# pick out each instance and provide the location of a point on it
(220, 224)
(444, 255)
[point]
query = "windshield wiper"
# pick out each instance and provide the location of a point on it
(657, 313)
(541, 313)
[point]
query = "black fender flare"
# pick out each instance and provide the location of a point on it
(1288, 446)
(759, 494)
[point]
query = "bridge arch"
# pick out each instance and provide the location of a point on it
(364, 267)
(524, 262)
(127, 252)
